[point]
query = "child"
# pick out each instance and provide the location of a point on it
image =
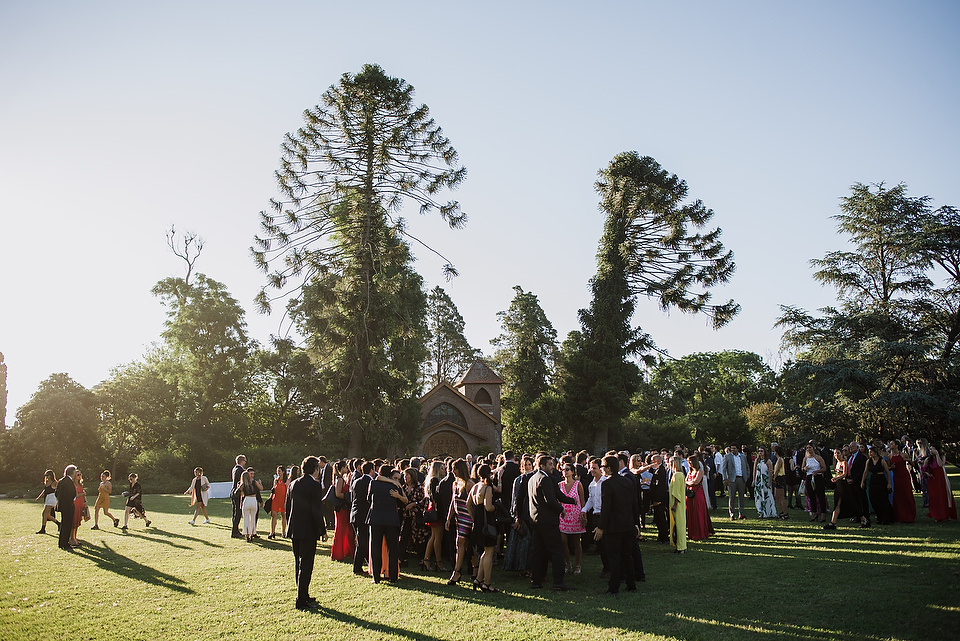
(103, 501)
(49, 500)
(134, 502)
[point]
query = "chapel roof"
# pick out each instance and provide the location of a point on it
(479, 373)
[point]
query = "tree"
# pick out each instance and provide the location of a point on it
(879, 364)
(3, 393)
(289, 384)
(57, 426)
(710, 390)
(450, 352)
(208, 346)
(646, 249)
(362, 153)
(524, 356)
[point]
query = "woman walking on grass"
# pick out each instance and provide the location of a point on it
(343, 546)
(248, 504)
(879, 486)
(780, 483)
(49, 496)
(103, 501)
(904, 506)
(79, 508)
(199, 489)
(134, 502)
(699, 526)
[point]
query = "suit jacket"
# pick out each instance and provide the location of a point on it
(659, 491)
(305, 509)
(326, 477)
(66, 493)
(383, 507)
(508, 473)
(544, 499)
(359, 502)
(855, 469)
(619, 509)
(445, 495)
(730, 468)
(520, 508)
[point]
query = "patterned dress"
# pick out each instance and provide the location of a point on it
(570, 521)
(763, 493)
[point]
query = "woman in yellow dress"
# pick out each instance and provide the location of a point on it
(678, 506)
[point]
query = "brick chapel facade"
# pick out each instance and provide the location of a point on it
(465, 417)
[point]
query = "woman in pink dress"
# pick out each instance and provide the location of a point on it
(571, 522)
(344, 543)
(699, 526)
(904, 505)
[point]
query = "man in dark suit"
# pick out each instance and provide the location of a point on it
(635, 553)
(66, 493)
(326, 480)
(305, 527)
(544, 499)
(238, 469)
(359, 507)
(619, 514)
(660, 499)
(384, 522)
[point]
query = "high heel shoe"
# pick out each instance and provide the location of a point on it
(425, 565)
(440, 568)
(486, 587)
(476, 584)
(454, 578)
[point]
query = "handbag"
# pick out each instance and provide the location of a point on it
(501, 515)
(268, 505)
(332, 499)
(690, 493)
(430, 514)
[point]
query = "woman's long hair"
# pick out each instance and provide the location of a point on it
(281, 473)
(462, 473)
(246, 480)
(437, 472)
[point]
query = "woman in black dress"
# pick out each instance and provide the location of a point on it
(877, 471)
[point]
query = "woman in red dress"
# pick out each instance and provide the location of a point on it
(942, 504)
(699, 526)
(343, 538)
(904, 505)
(78, 504)
(278, 503)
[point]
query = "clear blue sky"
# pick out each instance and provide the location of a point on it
(118, 119)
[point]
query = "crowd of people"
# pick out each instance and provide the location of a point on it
(538, 514)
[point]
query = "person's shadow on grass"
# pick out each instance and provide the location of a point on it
(109, 559)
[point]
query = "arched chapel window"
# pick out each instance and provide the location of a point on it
(444, 412)
(483, 398)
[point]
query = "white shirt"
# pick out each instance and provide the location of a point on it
(593, 498)
(737, 465)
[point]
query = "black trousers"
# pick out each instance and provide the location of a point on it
(638, 572)
(304, 554)
(546, 546)
(362, 550)
(619, 546)
(66, 525)
(601, 545)
(392, 535)
(663, 523)
(237, 515)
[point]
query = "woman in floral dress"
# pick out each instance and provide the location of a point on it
(571, 522)
(762, 489)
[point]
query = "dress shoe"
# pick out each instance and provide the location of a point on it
(562, 587)
(306, 606)
(536, 586)
(609, 593)
(634, 589)
(605, 574)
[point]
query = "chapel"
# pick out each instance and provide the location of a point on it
(465, 417)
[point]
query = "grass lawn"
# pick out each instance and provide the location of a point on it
(751, 580)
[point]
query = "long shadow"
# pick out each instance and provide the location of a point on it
(111, 560)
(380, 628)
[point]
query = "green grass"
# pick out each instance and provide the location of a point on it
(751, 580)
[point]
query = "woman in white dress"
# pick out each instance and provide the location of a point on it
(762, 488)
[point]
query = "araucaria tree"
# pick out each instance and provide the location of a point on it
(363, 152)
(647, 248)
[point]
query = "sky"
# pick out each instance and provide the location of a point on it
(119, 119)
